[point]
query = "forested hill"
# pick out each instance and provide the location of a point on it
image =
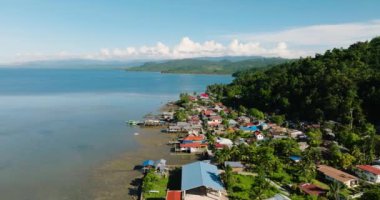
(341, 85)
(208, 66)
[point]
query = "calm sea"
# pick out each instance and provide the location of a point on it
(55, 125)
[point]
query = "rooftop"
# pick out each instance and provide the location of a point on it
(336, 174)
(199, 174)
(369, 168)
(173, 195)
(311, 189)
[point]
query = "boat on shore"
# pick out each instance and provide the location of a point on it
(132, 122)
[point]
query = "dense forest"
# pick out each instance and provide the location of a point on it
(342, 85)
(208, 66)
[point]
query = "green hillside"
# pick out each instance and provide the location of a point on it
(341, 85)
(203, 66)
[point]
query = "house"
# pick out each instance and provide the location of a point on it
(204, 96)
(167, 115)
(311, 189)
(147, 164)
(244, 119)
(258, 135)
(277, 130)
(263, 126)
(249, 128)
(303, 145)
(295, 133)
(194, 138)
(224, 141)
(338, 176)
(173, 195)
(193, 147)
(173, 129)
(214, 120)
(368, 173)
(236, 166)
(201, 180)
(232, 122)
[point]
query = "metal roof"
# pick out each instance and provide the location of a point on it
(234, 164)
(199, 174)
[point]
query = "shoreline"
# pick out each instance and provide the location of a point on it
(119, 177)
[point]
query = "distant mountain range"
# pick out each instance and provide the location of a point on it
(219, 65)
(202, 65)
(76, 64)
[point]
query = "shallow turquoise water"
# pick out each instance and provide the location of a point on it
(55, 125)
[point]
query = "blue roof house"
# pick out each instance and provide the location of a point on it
(201, 179)
(249, 128)
(148, 163)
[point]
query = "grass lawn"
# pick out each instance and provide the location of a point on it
(158, 183)
(242, 185)
(320, 184)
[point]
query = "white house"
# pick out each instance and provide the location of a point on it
(259, 136)
(368, 173)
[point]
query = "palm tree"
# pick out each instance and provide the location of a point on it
(334, 191)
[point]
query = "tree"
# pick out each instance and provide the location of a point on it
(334, 191)
(346, 160)
(180, 115)
(228, 177)
(254, 112)
(373, 193)
(259, 187)
(315, 137)
(278, 119)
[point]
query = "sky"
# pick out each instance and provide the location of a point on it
(172, 29)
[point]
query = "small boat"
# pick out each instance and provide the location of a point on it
(132, 122)
(136, 134)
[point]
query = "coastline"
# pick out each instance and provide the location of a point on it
(119, 178)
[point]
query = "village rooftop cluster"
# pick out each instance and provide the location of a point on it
(248, 154)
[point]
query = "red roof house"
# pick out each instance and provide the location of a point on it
(173, 195)
(369, 173)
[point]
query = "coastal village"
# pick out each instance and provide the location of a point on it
(248, 154)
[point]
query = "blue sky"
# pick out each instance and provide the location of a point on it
(121, 29)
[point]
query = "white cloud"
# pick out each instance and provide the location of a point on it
(329, 35)
(289, 43)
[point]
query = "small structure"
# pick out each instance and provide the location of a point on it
(249, 128)
(173, 195)
(295, 133)
(147, 164)
(236, 166)
(173, 129)
(224, 141)
(204, 96)
(368, 173)
(194, 147)
(201, 180)
(295, 158)
(214, 120)
(258, 136)
(303, 145)
(338, 176)
(244, 119)
(311, 189)
(232, 122)
(160, 165)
